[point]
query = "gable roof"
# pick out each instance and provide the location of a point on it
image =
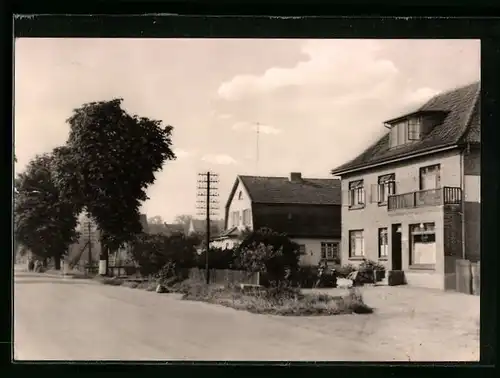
(280, 190)
(462, 124)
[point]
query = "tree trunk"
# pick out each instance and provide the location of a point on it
(103, 261)
(57, 263)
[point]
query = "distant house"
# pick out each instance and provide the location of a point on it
(199, 226)
(412, 199)
(167, 229)
(307, 210)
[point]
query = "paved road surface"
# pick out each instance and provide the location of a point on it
(71, 319)
(68, 319)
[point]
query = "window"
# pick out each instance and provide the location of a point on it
(406, 131)
(329, 251)
(383, 243)
(302, 249)
(236, 218)
(240, 195)
(247, 217)
(356, 194)
(356, 243)
(430, 177)
(423, 245)
(386, 187)
(414, 128)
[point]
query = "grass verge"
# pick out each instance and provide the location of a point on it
(285, 302)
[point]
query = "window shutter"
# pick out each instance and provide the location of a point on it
(347, 197)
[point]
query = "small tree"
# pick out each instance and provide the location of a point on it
(268, 251)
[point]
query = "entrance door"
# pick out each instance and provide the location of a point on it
(397, 258)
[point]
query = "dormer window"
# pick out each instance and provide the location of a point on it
(414, 128)
(405, 131)
(240, 195)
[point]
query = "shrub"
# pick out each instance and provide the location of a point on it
(152, 252)
(366, 270)
(344, 270)
(268, 251)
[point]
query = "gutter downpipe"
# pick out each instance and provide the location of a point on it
(462, 185)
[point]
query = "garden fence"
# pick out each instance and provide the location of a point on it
(225, 276)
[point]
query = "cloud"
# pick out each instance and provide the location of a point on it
(252, 126)
(421, 95)
(220, 159)
(181, 153)
(345, 64)
(224, 116)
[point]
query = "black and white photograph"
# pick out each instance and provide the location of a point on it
(223, 199)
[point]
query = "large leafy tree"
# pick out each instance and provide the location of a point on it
(44, 219)
(109, 161)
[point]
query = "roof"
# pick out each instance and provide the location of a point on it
(200, 226)
(165, 228)
(278, 190)
(461, 124)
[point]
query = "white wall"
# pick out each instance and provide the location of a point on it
(239, 205)
(313, 249)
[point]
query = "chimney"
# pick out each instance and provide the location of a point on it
(295, 177)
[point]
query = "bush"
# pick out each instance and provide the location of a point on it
(366, 272)
(344, 270)
(268, 251)
(152, 252)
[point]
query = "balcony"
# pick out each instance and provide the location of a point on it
(422, 198)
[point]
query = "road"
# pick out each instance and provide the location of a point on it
(59, 318)
(73, 319)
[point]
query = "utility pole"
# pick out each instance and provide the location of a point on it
(207, 205)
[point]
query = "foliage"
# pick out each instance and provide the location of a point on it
(366, 272)
(279, 300)
(344, 270)
(45, 220)
(267, 251)
(110, 159)
(183, 219)
(154, 252)
(218, 259)
(156, 220)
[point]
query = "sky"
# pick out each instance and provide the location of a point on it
(318, 102)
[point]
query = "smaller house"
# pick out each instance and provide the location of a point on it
(166, 229)
(308, 210)
(199, 226)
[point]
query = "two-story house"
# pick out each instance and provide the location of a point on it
(412, 199)
(307, 210)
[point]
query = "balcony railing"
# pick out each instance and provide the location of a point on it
(432, 197)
